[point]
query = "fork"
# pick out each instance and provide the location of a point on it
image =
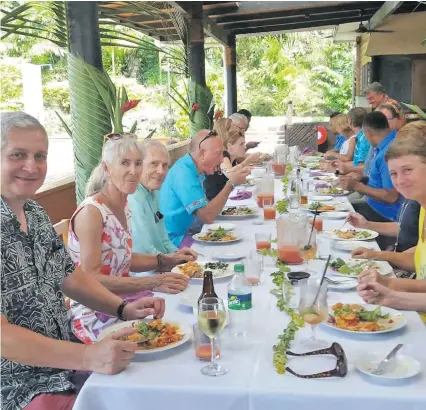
(338, 282)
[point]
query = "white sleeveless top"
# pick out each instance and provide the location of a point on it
(345, 146)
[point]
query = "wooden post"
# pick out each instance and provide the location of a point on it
(196, 56)
(83, 31)
(230, 76)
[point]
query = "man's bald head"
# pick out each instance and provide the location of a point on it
(198, 137)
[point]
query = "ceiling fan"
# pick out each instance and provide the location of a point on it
(363, 29)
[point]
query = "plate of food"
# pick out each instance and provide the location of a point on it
(322, 207)
(216, 237)
(354, 234)
(353, 267)
(331, 190)
(195, 270)
(152, 335)
(352, 245)
(237, 212)
(366, 319)
(326, 178)
(227, 226)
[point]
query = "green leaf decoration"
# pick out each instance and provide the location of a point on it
(90, 118)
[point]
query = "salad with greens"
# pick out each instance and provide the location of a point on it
(353, 267)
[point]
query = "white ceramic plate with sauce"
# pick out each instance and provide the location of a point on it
(225, 225)
(402, 367)
(349, 246)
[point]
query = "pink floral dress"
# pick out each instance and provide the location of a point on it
(116, 250)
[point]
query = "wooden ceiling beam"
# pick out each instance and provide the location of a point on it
(295, 26)
(241, 17)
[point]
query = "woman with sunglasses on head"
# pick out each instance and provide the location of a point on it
(234, 148)
(406, 160)
(100, 237)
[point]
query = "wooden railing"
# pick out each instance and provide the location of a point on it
(58, 196)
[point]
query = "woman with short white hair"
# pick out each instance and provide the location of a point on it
(100, 236)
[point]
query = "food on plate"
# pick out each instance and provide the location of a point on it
(354, 317)
(331, 190)
(353, 267)
(218, 235)
(191, 270)
(352, 234)
(154, 334)
(196, 271)
(320, 206)
(237, 211)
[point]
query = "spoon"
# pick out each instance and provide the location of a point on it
(381, 367)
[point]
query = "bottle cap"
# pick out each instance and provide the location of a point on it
(239, 267)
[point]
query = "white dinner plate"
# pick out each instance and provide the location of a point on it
(184, 329)
(345, 284)
(228, 256)
(217, 273)
(237, 217)
(324, 192)
(320, 198)
(332, 235)
(382, 267)
(338, 207)
(197, 236)
(334, 215)
(402, 367)
(350, 246)
(225, 225)
(399, 321)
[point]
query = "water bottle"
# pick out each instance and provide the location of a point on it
(239, 303)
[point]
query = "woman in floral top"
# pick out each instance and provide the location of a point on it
(100, 237)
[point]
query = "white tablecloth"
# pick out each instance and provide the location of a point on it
(172, 380)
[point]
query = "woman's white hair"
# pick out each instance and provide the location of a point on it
(113, 151)
(17, 119)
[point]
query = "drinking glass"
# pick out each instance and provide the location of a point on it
(211, 321)
(253, 268)
(318, 224)
(308, 246)
(202, 345)
(263, 240)
(313, 308)
(323, 246)
(269, 211)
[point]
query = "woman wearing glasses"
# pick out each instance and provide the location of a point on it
(406, 160)
(234, 147)
(100, 236)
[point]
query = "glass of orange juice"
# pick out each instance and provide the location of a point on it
(203, 350)
(254, 268)
(318, 224)
(269, 211)
(308, 247)
(263, 240)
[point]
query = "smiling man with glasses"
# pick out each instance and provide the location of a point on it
(182, 196)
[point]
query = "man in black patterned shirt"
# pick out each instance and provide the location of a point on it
(37, 358)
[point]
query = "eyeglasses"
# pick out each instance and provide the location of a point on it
(335, 349)
(117, 136)
(158, 216)
(212, 133)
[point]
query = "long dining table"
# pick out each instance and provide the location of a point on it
(172, 379)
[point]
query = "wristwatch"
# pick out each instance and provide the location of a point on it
(120, 309)
(160, 261)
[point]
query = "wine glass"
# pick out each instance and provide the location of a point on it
(313, 308)
(211, 320)
(308, 246)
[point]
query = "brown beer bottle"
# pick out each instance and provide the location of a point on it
(208, 286)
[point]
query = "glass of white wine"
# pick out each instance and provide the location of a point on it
(211, 321)
(313, 308)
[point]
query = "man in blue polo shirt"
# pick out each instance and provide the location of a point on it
(182, 196)
(383, 201)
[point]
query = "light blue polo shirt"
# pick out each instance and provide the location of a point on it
(361, 149)
(380, 178)
(181, 194)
